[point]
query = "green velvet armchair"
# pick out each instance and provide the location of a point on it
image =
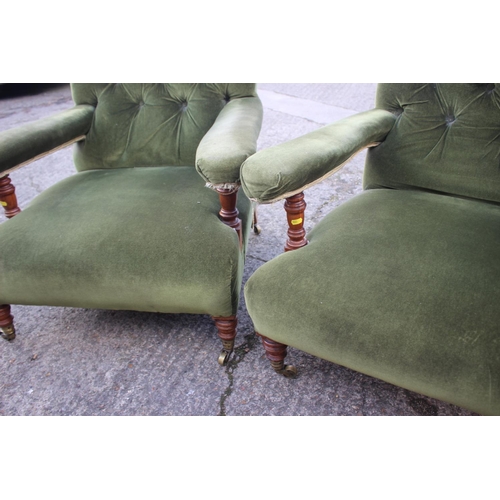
(402, 281)
(135, 228)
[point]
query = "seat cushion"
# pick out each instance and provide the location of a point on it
(146, 239)
(400, 285)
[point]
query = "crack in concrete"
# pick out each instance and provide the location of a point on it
(35, 185)
(237, 357)
(257, 258)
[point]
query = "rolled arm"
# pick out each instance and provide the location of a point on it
(28, 142)
(229, 142)
(286, 169)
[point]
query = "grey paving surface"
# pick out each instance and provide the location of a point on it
(94, 362)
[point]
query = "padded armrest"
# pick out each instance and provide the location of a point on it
(229, 142)
(288, 168)
(33, 140)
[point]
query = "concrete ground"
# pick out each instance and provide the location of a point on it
(96, 362)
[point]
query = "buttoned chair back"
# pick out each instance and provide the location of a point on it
(150, 125)
(445, 139)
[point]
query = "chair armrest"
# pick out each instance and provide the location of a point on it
(229, 142)
(28, 142)
(288, 168)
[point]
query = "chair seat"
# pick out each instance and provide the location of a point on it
(399, 285)
(147, 239)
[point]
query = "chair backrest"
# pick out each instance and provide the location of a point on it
(141, 124)
(446, 139)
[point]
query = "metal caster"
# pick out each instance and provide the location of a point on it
(289, 371)
(8, 332)
(257, 229)
(224, 357)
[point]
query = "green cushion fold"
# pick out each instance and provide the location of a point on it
(26, 142)
(280, 171)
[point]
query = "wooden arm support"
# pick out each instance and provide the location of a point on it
(8, 198)
(228, 212)
(295, 207)
(8, 201)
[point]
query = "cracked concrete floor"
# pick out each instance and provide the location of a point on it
(68, 361)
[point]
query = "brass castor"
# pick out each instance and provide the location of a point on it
(9, 332)
(224, 357)
(257, 229)
(289, 371)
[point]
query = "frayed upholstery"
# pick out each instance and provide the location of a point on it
(232, 186)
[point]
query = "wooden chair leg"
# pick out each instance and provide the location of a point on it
(7, 322)
(276, 354)
(295, 207)
(8, 201)
(228, 212)
(255, 223)
(8, 198)
(226, 328)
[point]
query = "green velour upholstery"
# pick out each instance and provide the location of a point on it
(278, 171)
(146, 239)
(164, 123)
(385, 299)
(136, 227)
(446, 139)
(22, 144)
(401, 281)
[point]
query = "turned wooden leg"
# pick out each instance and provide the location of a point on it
(295, 207)
(8, 198)
(276, 354)
(226, 328)
(228, 212)
(7, 322)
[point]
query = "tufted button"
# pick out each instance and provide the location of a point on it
(227, 98)
(183, 106)
(450, 120)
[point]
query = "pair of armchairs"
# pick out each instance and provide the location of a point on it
(400, 282)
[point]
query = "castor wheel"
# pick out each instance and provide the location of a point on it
(257, 229)
(224, 357)
(8, 332)
(289, 371)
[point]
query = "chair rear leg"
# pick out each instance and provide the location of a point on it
(226, 328)
(7, 322)
(276, 354)
(255, 223)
